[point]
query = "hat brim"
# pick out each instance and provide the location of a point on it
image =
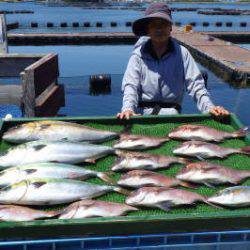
(140, 25)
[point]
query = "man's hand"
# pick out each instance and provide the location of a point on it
(126, 114)
(219, 111)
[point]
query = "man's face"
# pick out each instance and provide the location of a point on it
(159, 30)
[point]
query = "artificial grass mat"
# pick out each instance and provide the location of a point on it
(162, 128)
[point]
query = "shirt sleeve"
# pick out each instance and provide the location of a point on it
(130, 84)
(195, 83)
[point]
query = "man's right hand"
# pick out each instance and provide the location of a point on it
(126, 114)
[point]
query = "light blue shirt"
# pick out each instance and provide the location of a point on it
(163, 80)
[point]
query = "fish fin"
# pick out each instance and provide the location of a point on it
(209, 185)
(241, 132)
(245, 150)
(105, 177)
(121, 190)
(44, 126)
(39, 147)
(200, 158)
(39, 184)
(188, 185)
(90, 161)
(30, 171)
(166, 205)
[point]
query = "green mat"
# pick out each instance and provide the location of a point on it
(160, 127)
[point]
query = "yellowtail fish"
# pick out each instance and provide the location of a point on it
(49, 170)
(238, 196)
(56, 131)
(53, 191)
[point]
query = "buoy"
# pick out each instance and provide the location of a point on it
(218, 24)
(63, 25)
(229, 24)
(243, 24)
(50, 25)
(113, 24)
(98, 24)
(99, 84)
(34, 25)
(205, 24)
(75, 24)
(86, 24)
(128, 24)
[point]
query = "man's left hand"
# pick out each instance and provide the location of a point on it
(219, 111)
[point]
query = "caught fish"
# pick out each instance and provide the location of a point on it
(139, 142)
(43, 151)
(20, 213)
(204, 133)
(211, 174)
(141, 178)
(92, 208)
(49, 170)
(163, 198)
(56, 131)
(238, 196)
(136, 160)
(52, 191)
(203, 150)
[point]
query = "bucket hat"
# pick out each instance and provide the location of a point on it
(154, 10)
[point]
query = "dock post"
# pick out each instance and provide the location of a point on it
(3, 35)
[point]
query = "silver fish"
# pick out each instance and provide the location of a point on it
(141, 178)
(92, 208)
(211, 174)
(20, 213)
(163, 198)
(49, 170)
(238, 196)
(136, 160)
(52, 191)
(204, 133)
(55, 131)
(43, 151)
(203, 150)
(138, 142)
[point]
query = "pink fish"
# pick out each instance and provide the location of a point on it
(204, 133)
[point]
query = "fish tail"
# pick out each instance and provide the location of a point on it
(184, 160)
(245, 150)
(105, 177)
(121, 190)
(211, 204)
(54, 213)
(126, 129)
(188, 185)
(240, 133)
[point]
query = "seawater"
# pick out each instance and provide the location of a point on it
(44, 13)
(77, 63)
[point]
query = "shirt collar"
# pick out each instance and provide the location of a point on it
(148, 48)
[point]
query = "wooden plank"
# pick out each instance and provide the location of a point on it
(3, 35)
(10, 94)
(45, 72)
(49, 103)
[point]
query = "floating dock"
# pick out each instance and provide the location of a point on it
(229, 61)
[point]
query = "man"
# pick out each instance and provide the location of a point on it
(160, 70)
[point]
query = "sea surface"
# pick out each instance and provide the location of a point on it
(44, 13)
(78, 63)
